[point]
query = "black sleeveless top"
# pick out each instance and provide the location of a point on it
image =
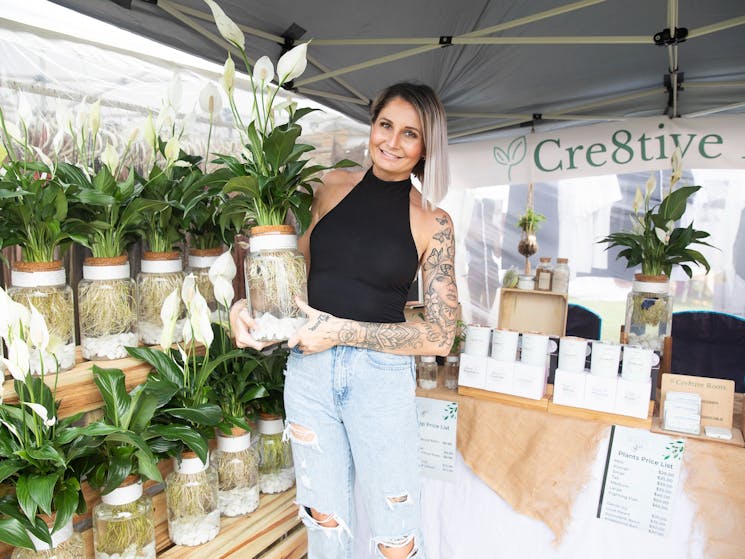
(363, 258)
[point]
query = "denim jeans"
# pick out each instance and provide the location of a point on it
(352, 412)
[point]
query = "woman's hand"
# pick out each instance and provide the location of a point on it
(320, 333)
(241, 325)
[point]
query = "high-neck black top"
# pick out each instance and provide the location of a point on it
(363, 258)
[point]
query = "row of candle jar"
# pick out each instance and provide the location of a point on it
(503, 345)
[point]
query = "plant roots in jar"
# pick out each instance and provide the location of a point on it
(127, 533)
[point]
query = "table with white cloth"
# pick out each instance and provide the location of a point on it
(527, 485)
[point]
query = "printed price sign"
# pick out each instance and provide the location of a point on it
(641, 479)
(438, 421)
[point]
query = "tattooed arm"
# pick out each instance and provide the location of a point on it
(434, 336)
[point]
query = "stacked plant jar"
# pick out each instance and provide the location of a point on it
(160, 273)
(237, 463)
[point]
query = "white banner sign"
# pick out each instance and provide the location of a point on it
(641, 144)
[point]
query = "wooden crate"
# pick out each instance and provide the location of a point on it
(533, 311)
(273, 531)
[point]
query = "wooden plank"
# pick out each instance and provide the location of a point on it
(509, 399)
(293, 546)
(527, 310)
(736, 440)
(603, 417)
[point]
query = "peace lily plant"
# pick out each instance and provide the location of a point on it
(43, 457)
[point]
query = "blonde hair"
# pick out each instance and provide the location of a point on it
(433, 170)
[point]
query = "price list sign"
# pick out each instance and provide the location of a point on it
(641, 479)
(438, 422)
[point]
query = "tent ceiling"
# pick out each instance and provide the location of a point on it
(510, 59)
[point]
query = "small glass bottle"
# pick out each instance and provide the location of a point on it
(544, 274)
(237, 465)
(427, 372)
(452, 366)
(276, 471)
(560, 280)
(191, 500)
(123, 523)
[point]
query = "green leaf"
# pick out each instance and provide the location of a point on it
(202, 414)
(117, 403)
(183, 434)
(673, 206)
(13, 533)
(160, 361)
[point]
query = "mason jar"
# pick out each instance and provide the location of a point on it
(107, 309)
(275, 276)
(450, 372)
(191, 501)
(160, 273)
(276, 471)
(427, 372)
(66, 544)
(649, 312)
(237, 463)
(123, 523)
(44, 285)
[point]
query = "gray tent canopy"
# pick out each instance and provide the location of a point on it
(497, 65)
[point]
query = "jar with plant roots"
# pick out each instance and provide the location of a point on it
(107, 308)
(649, 312)
(160, 273)
(192, 501)
(276, 472)
(237, 465)
(123, 524)
(43, 285)
(66, 544)
(199, 264)
(275, 276)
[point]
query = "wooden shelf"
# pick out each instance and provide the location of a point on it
(508, 399)
(603, 417)
(736, 440)
(527, 310)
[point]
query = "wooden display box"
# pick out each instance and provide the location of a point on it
(527, 310)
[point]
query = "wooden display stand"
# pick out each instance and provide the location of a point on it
(509, 399)
(273, 531)
(603, 417)
(529, 310)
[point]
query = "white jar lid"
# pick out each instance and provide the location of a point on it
(273, 242)
(662, 287)
(452, 359)
(161, 266)
(233, 444)
(271, 426)
(119, 271)
(37, 279)
(428, 359)
(123, 495)
(190, 465)
(202, 261)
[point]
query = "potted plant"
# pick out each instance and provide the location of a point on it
(657, 244)
(268, 181)
(182, 374)
(528, 223)
(33, 205)
(43, 457)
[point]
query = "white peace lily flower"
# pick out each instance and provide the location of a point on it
(21, 319)
(188, 289)
(662, 235)
(228, 75)
(292, 63)
(263, 70)
(175, 92)
(223, 266)
(676, 162)
(669, 226)
(133, 133)
(638, 200)
(209, 99)
(226, 26)
(38, 332)
(149, 132)
(110, 157)
(651, 185)
(172, 150)
(6, 318)
(637, 227)
(3, 153)
(14, 132)
(19, 359)
(199, 318)
(94, 118)
(166, 118)
(169, 315)
(224, 292)
(13, 369)
(44, 159)
(41, 411)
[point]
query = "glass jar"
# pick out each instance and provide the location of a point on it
(160, 273)
(66, 544)
(199, 264)
(191, 500)
(276, 472)
(451, 370)
(427, 372)
(275, 275)
(237, 465)
(649, 312)
(544, 274)
(123, 524)
(43, 285)
(560, 280)
(107, 308)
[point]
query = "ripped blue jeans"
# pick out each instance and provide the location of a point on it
(352, 412)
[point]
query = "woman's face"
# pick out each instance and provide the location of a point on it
(396, 141)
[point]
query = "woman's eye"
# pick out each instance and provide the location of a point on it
(411, 134)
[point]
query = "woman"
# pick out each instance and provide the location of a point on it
(350, 383)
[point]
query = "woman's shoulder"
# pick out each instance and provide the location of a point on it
(336, 184)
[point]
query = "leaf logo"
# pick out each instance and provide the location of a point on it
(516, 152)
